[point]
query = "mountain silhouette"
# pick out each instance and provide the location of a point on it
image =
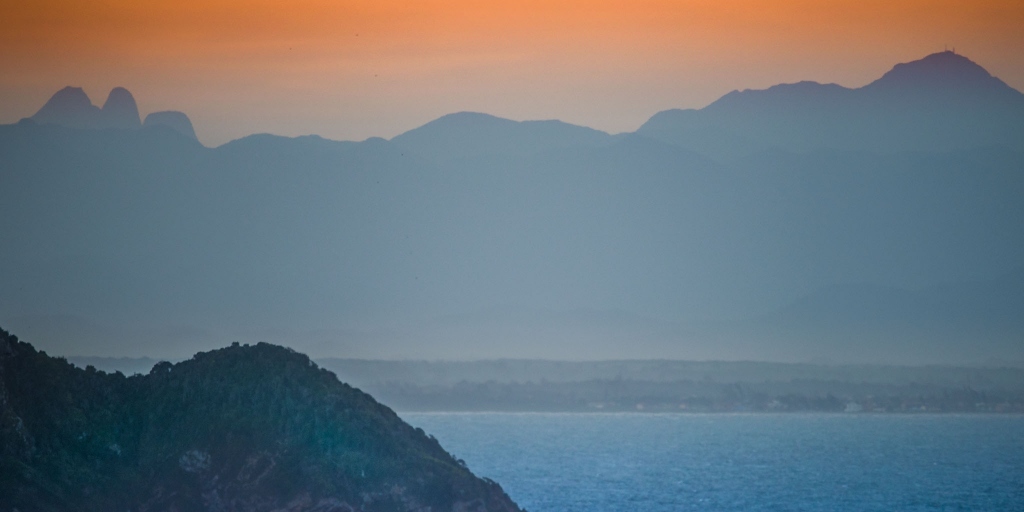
(469, 134)
(941, 102)
(120, 110)
(947, 72)
(392, 248)
(72, 108)
(177, 121)
(244, 428)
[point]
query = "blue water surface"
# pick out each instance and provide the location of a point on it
(741, 462)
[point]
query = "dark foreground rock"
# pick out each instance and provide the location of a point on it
(244, 428)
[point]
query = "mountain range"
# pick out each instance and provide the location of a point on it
(802, 222)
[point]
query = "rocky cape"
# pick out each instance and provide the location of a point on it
(244, 428)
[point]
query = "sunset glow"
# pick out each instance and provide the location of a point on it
(355, 69)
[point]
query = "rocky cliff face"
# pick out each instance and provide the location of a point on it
(245, 428)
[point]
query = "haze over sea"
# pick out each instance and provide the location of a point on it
(741, 462)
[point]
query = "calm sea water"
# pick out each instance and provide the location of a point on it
(722, 462)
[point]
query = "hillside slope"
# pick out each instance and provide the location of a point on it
(244, 428)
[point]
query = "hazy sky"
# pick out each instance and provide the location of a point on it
(355, 69)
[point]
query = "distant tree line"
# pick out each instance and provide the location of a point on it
(698, 396)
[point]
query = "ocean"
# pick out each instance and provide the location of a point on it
(550, 462)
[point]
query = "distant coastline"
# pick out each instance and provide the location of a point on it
(664, 386)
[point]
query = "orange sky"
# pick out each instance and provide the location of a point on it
(354, 69)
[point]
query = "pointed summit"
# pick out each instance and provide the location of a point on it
(944, 71)
(71, 107)
(120, 110)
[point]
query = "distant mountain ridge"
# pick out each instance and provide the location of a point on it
(941, 102)
(480, 237)
(948, 72)
(470, 134)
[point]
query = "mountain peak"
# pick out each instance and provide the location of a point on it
(941, 102)
(475, 134)
(120, 110)
(69, 97)
(172, 119)
(69, 106)
(466, 118)
(943, 70)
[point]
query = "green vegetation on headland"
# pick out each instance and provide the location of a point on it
(244, 428)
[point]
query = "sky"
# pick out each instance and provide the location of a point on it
(350, 70)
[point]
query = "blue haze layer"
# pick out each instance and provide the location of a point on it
(805, 222)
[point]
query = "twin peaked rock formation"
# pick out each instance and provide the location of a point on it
(71, 107)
